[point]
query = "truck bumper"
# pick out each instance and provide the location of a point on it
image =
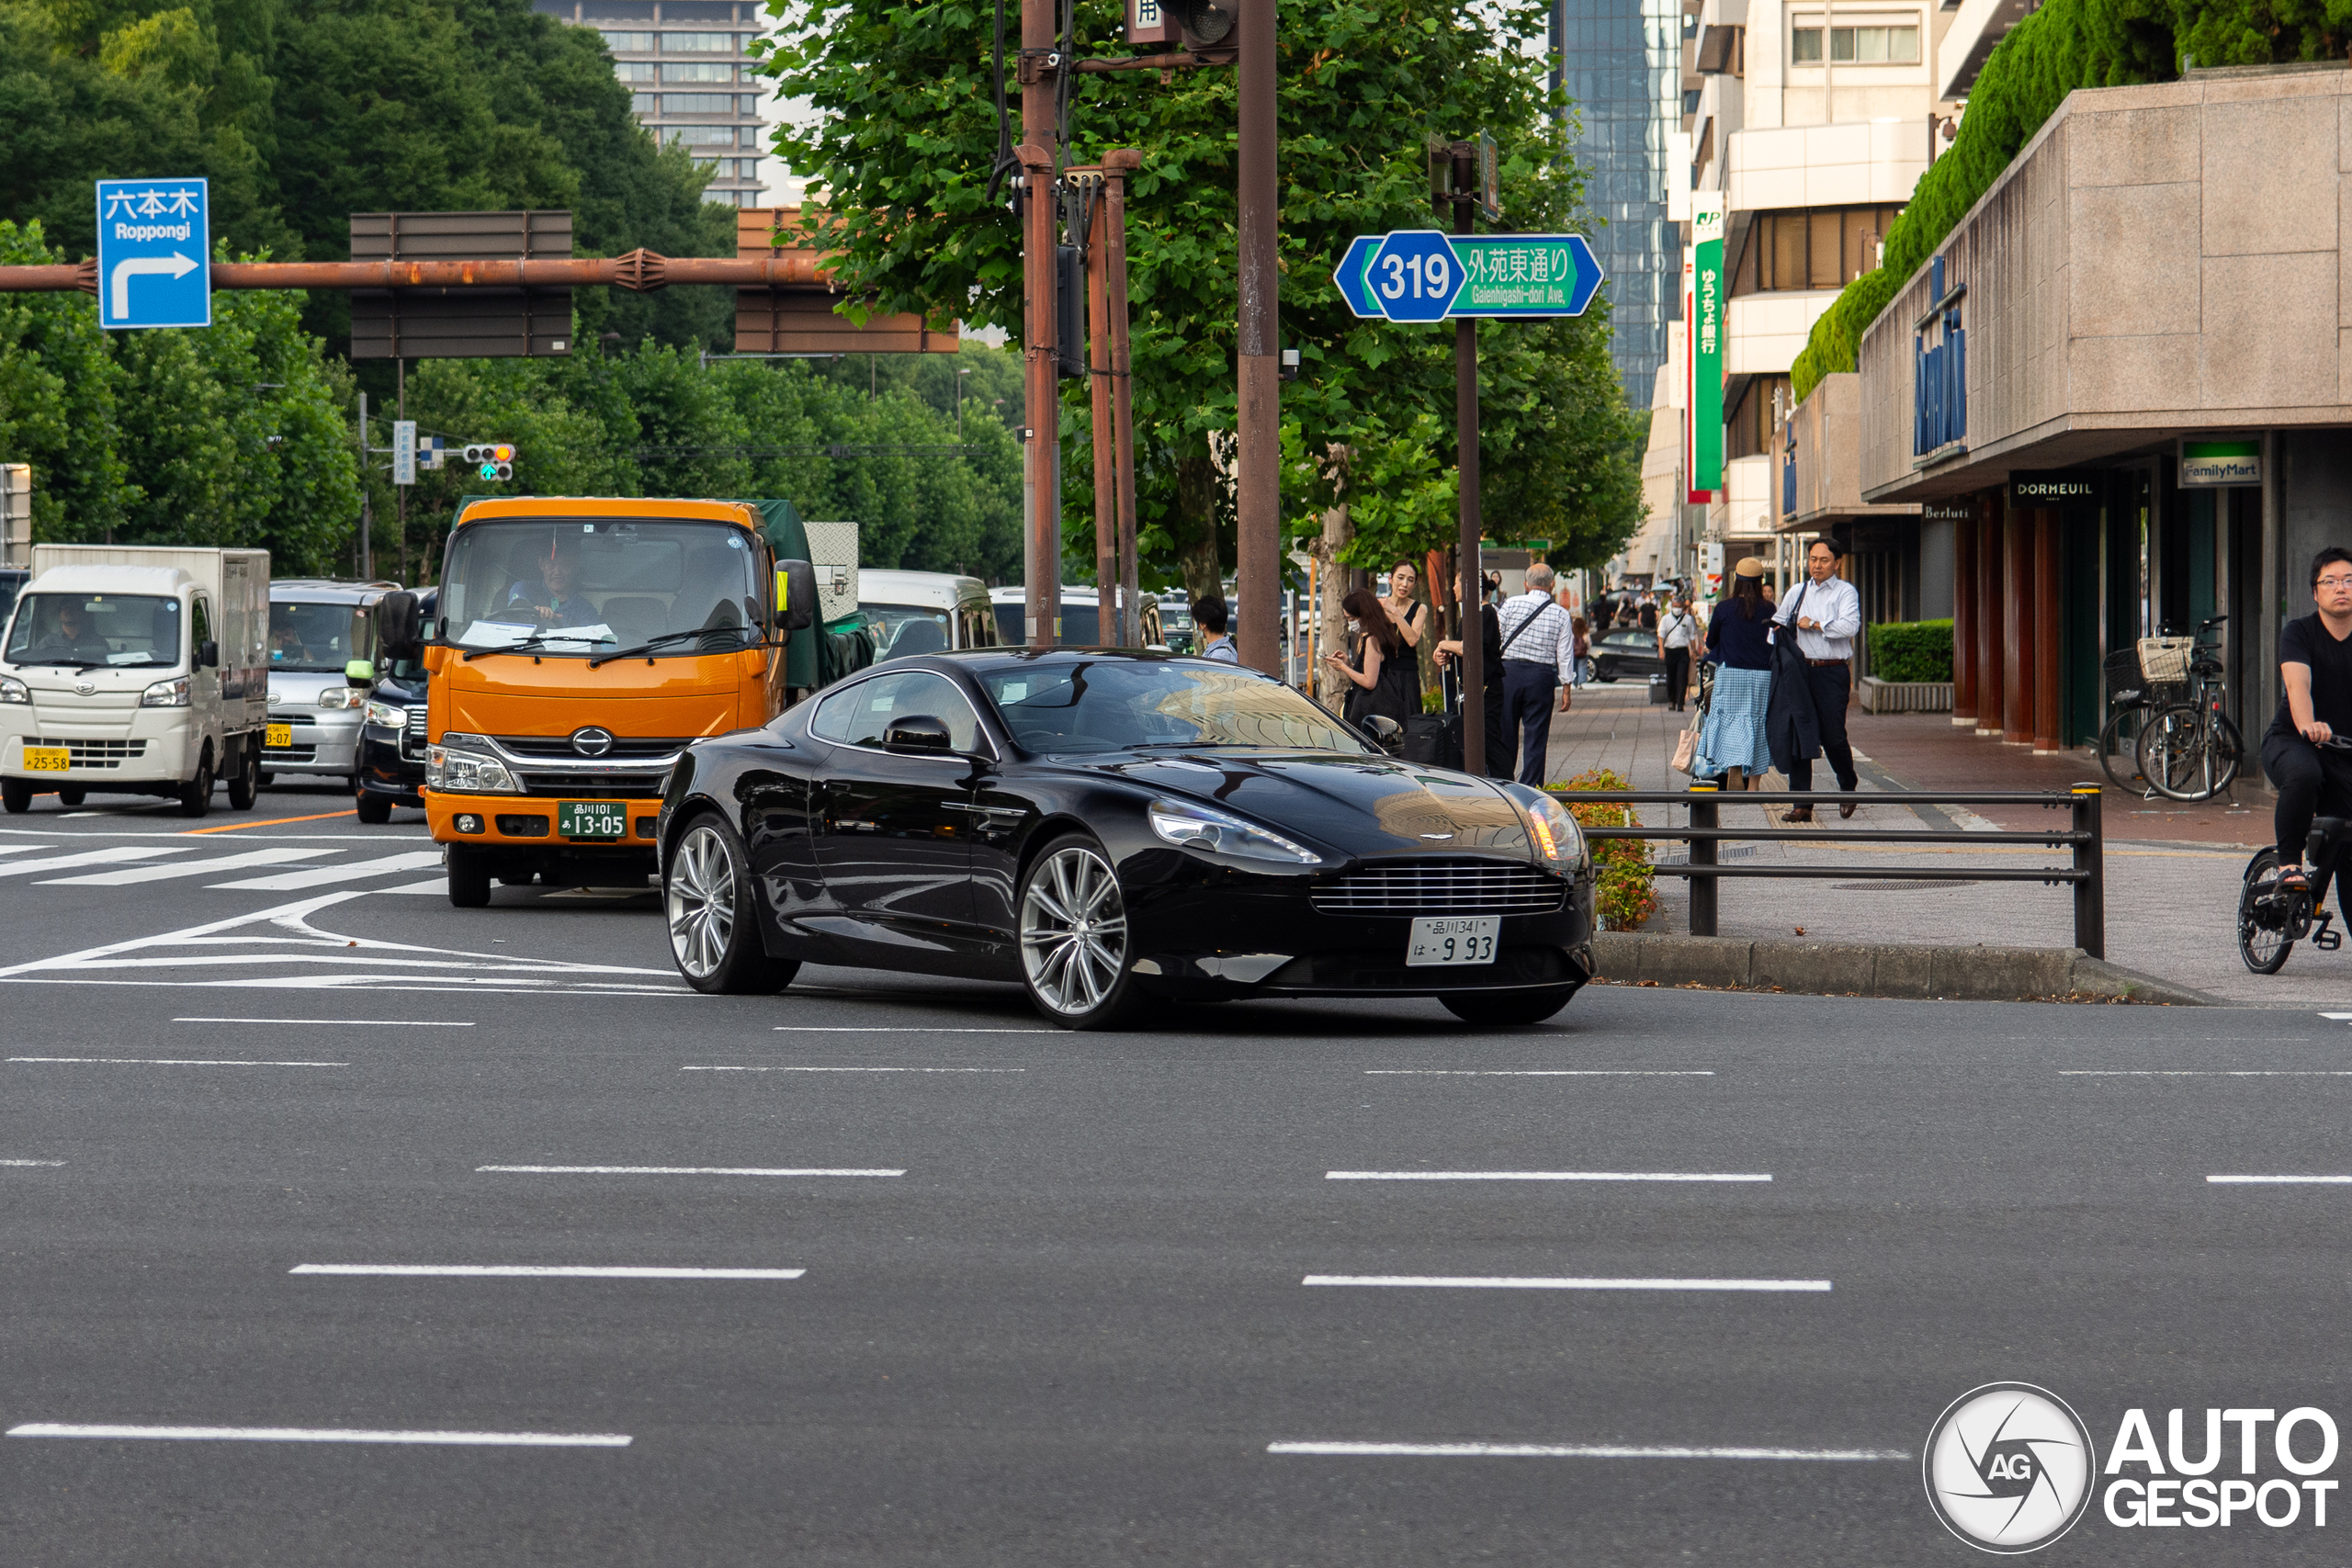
(518, 832)
(135, 762)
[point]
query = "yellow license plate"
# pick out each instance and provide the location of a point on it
(277, 737)
(45, 759)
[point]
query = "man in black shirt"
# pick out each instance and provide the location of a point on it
(2315, 705)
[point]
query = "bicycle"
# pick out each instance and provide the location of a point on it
(2189, 749)
(2271, 919)
(2130, 700)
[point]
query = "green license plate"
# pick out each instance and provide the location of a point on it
(592, 819)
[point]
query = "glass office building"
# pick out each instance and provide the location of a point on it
(1622, 64)
(682, 62)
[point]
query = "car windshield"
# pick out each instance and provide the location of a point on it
(900, 630)
(316, 637)
(1112, 705)
(599, 586)
(123, 629)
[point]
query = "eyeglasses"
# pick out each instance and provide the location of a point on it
(2333, 582)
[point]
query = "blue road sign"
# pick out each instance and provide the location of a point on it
(1423, 276)
(1414, 276)
(154, 253)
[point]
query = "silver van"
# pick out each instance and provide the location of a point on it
(317, 625)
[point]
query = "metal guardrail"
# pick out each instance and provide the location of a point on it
(2084, 834)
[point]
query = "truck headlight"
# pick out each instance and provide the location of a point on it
(14, 690)
(1558, 839)
(1187, 824)
(172, 694)
(343, 697)
(390, 716)
(467, 772)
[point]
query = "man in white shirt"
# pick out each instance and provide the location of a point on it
(1826, 615)
(1677, 630)
(1539, 653)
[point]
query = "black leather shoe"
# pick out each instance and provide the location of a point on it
(1846, 808)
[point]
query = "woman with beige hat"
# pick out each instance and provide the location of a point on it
(1732, 744)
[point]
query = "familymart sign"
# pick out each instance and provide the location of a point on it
(2215, 463)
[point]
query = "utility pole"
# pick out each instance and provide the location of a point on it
(1257, 407)
(1040, 75)
(1117, 164)
(1465, 443)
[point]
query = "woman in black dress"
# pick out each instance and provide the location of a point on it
(1383, 678)
(1499, 737)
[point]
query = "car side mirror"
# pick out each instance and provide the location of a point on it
(208, 655)
(398, 633)
(1388, 732)
(918, 734)
(796, 596)
(360, 672)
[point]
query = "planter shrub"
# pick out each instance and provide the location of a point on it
(1911, 650)
(1623, 891)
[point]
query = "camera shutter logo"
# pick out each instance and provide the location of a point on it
(2009, 1468)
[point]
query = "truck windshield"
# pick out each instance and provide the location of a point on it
(316, 637)
(125, 629)
(594, 587)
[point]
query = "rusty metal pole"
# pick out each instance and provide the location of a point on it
(1109, 624)
(1258, 406)
(1117, 166)
(1041, 488)
(1465, 442)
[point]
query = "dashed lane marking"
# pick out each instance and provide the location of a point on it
(538, 1271)
(1573, 1451)
(1518, 1282)
(322, 1435)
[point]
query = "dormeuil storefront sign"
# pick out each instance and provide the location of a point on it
(2235, 460)
(2068, 489)
(1704, 304)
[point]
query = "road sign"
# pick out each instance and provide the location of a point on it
(154, 253)
(430, 452)
(1423, 276)
(404, 451)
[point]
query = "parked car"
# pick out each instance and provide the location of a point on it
(1630, 652)
(1081, 618)
(1176, 622)
(925, 612)
(392, 734)
(1106, 828)
(317, 627)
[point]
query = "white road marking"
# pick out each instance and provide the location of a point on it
(1534, 1176)
(2204, 1073)
(89, 857)
(2338, 1017)
(2281, 1180)
(286, 881)
(536, 1271)
(16, 1162)
(672, 1170)
(325, 1435)
(1573, 1451)
(896, 1028)
(139, 874)
(373, 1022)
(1514, 1283)
(1537, 1072)
(852, 1069)
(174, 1062)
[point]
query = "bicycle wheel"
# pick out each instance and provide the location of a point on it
(2175, 756)
(2228, 749)
(2263, 919)
(2119, 748)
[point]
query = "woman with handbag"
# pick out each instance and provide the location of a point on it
(1732, 743)
(1498, 727)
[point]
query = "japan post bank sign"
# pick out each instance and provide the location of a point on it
(154, 250)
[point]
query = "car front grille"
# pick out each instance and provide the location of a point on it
(97, 753)
(290, 754)
(595, 786)
(560, 746)
(1443, 887)
(413, 735)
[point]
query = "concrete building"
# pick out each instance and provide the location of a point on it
(684, 63)
(2129, 372)
(1620, 63)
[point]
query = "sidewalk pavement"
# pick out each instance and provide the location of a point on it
(2173, 871)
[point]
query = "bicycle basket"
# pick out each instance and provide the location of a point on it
(2164, 660)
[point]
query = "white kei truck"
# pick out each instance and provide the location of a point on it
(135, 670)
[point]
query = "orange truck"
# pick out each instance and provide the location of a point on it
(578, 645)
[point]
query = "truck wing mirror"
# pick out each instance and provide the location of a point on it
(796, 596)
(208, 654)
(360, 672)
(397, 629)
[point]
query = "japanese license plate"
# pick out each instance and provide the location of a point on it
(277, 737)
(592, 819)
(1453, 940)
(45, 759)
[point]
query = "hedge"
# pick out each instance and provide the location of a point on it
(1911, 650)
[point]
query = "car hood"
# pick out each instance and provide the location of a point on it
(1359, 806)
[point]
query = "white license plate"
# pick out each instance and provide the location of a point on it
(1455, 938)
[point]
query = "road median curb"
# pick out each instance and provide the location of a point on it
(1917, 971)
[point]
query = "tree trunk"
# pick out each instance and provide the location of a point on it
(1196, 556)
(1330, 584)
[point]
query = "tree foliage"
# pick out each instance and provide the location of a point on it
(902, 151)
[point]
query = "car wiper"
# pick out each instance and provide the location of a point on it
(650, 646)
(528, 643)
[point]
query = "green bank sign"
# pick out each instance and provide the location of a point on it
(2237, 462)
(1702, 316)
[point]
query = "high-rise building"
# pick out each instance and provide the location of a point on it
(1621, 62)
(689, 81)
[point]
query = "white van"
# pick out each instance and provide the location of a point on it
(925, 612)
(1082, 617)
(135, 670)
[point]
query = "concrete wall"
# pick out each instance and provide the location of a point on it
(2160, 260)
(1829, 456)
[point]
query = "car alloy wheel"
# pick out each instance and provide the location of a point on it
(1074, 935)
(701, 902)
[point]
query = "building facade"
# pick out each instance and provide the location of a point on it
(1621, 63)
(684, 64)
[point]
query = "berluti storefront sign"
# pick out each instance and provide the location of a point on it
(2066, 490)
(1946, 512)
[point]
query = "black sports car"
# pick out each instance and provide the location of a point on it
(1106, 826)
(1630, 652)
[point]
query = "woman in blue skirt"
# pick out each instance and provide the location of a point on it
(1739, 642)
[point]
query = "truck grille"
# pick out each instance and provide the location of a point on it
(1443, 887)
(97, 753)
(560, 746)
(413, 735)
(595, 786)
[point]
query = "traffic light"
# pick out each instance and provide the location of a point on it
(1203, 23)
(492, 460)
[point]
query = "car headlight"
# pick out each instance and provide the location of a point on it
(390, 716)
(343, 697)
(1556, 837)
(1189, 825)
(14, 690)
(172, 694)
(467, 772)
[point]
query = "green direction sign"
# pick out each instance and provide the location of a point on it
(1424, 275)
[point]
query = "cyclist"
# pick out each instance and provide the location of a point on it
(2314, 705)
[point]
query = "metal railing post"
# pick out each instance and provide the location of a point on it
(2090, 862)
(1703, 814)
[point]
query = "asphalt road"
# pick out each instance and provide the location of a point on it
(1050, 1305)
